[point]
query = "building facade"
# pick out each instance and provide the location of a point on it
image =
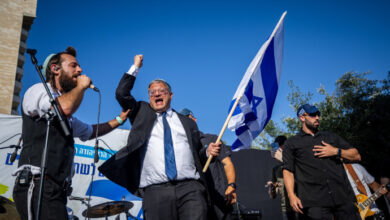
(16, 18)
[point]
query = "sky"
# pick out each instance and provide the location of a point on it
(203, 48)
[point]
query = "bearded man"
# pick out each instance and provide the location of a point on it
(312, 160)
(67, 85)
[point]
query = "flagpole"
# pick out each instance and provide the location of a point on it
(223, 130)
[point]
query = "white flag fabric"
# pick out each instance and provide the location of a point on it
(258, 88)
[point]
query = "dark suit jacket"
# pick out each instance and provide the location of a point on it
(124, 168)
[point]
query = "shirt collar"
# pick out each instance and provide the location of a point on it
(169, 112)
(302, 133)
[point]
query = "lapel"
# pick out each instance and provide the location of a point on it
(186, 126)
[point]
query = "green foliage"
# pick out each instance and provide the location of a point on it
(358, 110)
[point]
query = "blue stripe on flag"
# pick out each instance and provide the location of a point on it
(269, 78)
(249, 91)
(241, 130)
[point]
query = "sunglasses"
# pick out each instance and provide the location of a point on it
(313, 114)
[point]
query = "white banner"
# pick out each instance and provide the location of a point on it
(103, 190)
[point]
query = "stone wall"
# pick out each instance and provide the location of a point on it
(16, 17)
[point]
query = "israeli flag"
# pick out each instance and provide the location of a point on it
(258, 90)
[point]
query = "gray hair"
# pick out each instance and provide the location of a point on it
(163, 82)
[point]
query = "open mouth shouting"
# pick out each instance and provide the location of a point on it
(159, 102)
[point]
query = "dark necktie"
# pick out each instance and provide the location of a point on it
(170, 163)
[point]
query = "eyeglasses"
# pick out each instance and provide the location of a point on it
(154, 92)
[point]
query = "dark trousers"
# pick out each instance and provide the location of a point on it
(53, 200)
(347, 211)
(185, 200)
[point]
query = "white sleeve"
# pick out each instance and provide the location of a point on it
(81, 129)
(36, 101)
(366, 176)
(133, 71)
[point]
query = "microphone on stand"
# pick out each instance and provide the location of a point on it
(15, 153)
(96, 158)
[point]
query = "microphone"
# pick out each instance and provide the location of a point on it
(78, 198)
(93, 87)
(15, 153)
(96, 157)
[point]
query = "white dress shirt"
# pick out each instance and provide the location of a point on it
(153, 165)
(36, 102)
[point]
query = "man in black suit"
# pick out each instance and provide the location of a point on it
(162, 159)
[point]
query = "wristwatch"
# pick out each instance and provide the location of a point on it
(339, 153)
(232, 185)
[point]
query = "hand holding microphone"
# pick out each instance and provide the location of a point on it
(85, 82)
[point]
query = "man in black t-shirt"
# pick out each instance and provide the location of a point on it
(313, 173)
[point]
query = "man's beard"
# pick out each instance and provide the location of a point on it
(67, 83)
(311, 126)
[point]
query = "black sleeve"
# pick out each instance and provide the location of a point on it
(288, 156)
(124, 97)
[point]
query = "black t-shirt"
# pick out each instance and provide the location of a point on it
(318, 181)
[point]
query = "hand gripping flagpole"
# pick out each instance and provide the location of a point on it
(223, 129)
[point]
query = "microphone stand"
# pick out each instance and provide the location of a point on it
(49, 116)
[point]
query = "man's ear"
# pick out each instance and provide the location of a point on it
(54, 69)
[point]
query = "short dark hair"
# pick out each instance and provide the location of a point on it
(163, 82)
(57, 59)
(280, 140)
